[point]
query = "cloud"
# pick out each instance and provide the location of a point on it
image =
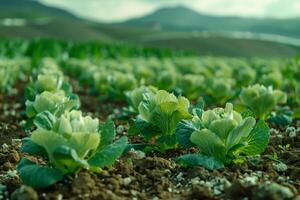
(116, 10)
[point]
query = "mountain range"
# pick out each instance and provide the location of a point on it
(185, 19)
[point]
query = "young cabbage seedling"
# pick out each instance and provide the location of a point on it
(56, 103)
(222, 136)
(68, 143)
(261, 100)
(158, 117)
(48, 82)
(135, 97)
(118, 83)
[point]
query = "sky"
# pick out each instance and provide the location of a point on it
(119, 10)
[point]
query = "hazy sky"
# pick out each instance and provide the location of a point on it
(116, 10)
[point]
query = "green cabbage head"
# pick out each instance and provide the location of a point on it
(223, 136)
(159, 115)
(71, 140)
(261, 100)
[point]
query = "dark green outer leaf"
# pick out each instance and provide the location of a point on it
(183, 133)
(209, 144)
(239, 132)
(193, 160)
(44, 120)
(108, 133)
(146, 129)
(106, 156)
(38, 176)
(166, 142)
(30, 92)
(28, 146)
(68, 160)
(257, 140)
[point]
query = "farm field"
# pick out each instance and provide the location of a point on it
(86, 120)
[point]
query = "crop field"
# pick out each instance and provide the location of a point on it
(98, 121)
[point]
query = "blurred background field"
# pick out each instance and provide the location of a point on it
(215, 30)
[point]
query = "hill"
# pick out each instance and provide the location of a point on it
(31, 19)
(185, 19)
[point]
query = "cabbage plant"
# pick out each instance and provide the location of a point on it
(219, 90)
(56, 103)
(223, 137)
(69, 143)
(135, 97)
(261, 100)
(159, 115)
(48, 82)
(120, 83)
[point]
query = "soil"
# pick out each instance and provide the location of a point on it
(154, 176)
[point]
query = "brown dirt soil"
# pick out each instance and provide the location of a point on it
(156, 176)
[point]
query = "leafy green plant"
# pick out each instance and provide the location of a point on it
(54, 102)
(282, 116)
(223, 137)
(159, 115)
(48, 82)
(135, 97)
(261, 100)
(245, 76)
(191, 85)
(68, 143)
(166, 80)
(119, 83)
(219, 90)
(273, 79)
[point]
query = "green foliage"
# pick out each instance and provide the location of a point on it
(261, 100)
(220, 89)
(69, 143)
(56, 103)
(222, 136)
(282, 116)
(159, 115)
(119, 83)
(135, 97)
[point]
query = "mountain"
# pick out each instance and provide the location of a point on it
(185, 19)
(31, 19)
(30, 9)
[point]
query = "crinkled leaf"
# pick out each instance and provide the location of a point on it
(38, 176)
(107, 155)
(193, 160)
